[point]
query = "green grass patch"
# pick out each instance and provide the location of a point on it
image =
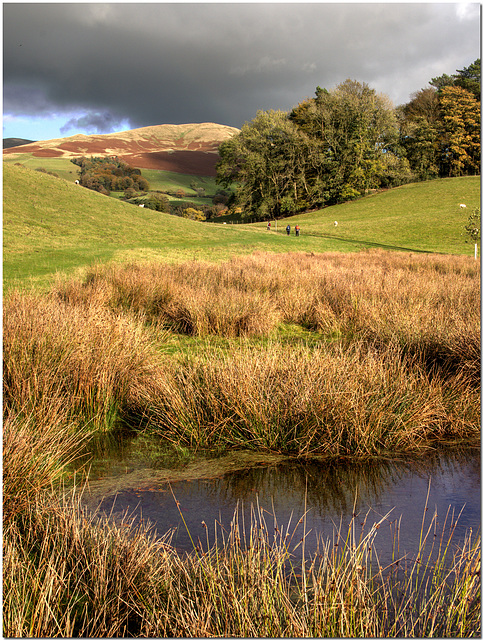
(51, 226)
(63, 167)
(423, 216)
(170, 181)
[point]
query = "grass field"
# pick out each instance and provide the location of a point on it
(349, 342)
(386, 361)
(51, 226)
(170, 181)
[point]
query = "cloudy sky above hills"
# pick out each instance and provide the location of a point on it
(99, 68)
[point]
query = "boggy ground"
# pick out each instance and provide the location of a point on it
(336, 354)
(340, 355)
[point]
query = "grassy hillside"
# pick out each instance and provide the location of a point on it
(420, 217)
(158, 180)
(52, 225)
(63, 167)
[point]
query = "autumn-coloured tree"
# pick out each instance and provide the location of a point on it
(193, 214)
(109, 173)
(440, 128)
(461, 131)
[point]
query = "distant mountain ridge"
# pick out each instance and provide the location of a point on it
(183, 148)
(15, 142)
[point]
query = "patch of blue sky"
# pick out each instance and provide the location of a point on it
(48, 127)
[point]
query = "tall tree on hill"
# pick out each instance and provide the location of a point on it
(420, 132)
(271, 162)
(469, 78)
(461, 132)
(357, 129)
(440, 126)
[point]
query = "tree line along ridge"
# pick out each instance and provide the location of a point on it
(337, 146)
(343, 143)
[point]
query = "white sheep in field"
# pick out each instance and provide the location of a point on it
(462, 206)
(141, 205)
(335, 223)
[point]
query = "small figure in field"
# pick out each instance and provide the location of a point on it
(297, 230)
(269, 226)
(288, 229)
(335, 223)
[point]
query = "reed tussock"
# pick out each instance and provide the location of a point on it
(76, 364)
(66, 575)
(35, 458)
(69, 574)
(197, 299)
(330, 400)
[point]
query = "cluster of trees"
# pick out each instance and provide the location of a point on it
(350, 140)
(440, 126)
(109, 174)
(112, 174)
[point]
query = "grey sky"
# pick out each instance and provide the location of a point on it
(103, 67)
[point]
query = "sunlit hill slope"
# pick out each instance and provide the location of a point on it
(185, 148)
(52, 225)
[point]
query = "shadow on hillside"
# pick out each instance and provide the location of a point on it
(366, 243)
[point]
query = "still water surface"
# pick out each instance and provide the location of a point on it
(332, 495)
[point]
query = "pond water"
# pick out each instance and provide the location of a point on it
(206, 492)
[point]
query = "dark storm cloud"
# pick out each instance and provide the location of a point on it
(174, 63)
(93, 123)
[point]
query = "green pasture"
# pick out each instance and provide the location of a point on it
(158, 180)
(423, 216)
(170, 181)
(63, 167)
(53, 226)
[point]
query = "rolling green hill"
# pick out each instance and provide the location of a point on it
(51, 225)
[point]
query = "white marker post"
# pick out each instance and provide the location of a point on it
(476, 251)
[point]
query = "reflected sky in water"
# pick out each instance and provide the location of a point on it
(333, 494)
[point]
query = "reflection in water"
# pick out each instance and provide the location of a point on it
(334, 495)
(337, 486)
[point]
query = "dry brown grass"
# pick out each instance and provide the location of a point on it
(35, 458)
(77, 364)
(397, 368)
(426, 303)
(68, 574)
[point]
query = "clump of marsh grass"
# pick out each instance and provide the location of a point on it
(66, 574)
(70, 574)
(82, 362)
(194, 299)
(35, 458)
(331, 400)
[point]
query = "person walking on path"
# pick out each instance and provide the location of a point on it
(288, 229)
(297, 230)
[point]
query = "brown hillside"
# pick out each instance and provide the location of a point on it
(183, 148)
